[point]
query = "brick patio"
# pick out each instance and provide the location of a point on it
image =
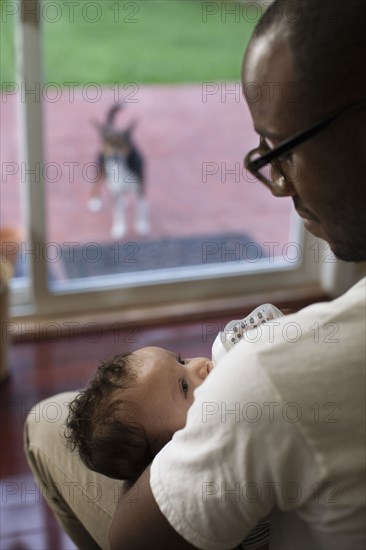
(177, 133)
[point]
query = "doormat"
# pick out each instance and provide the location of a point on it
(95, 259)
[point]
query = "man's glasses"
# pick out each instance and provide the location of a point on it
(265, 163)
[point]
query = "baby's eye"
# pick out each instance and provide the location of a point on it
(181, 360)
(185, 386)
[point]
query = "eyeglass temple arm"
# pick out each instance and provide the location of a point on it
(301, 137)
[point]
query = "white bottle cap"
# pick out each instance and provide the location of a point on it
(235, 330)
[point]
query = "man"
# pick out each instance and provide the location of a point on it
(277, 429)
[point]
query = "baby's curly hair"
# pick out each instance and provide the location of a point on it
(102, 425)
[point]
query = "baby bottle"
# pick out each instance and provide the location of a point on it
(234, 331)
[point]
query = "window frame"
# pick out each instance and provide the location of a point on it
(183, 285)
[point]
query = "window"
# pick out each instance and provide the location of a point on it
(213, 232)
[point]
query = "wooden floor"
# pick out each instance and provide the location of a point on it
(41, 369)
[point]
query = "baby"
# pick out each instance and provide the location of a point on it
(137, 401)
(131, 409)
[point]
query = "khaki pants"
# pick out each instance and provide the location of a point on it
(83, 501)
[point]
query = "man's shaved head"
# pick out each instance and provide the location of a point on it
(317, 47)
(327, 41)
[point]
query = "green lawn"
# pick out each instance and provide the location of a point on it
(136, 41)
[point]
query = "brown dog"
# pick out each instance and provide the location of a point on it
(121, 167)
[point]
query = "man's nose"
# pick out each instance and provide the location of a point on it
(282, 187)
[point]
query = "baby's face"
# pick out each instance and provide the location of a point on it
(164, 390)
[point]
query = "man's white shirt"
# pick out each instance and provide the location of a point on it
(277, 428)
